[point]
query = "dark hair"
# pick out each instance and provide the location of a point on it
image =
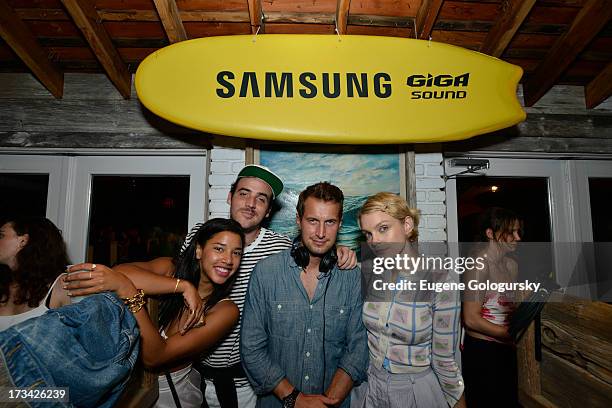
(234, 185)
(499, 220)
(187, 267)
(39, 262)
(322, 191)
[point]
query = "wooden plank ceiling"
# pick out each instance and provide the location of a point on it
(555, 41)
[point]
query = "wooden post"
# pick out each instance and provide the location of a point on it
(411, 179)
(528, 367)
(249, 155)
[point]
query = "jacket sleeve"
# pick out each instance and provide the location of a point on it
(446, 319)
(355, 359)
(261, 370)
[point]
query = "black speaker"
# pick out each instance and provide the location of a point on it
(301, 256)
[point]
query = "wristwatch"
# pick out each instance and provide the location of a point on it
(289, 400)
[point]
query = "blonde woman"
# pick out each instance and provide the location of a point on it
(411, 338)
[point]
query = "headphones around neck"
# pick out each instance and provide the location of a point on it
(301, 256)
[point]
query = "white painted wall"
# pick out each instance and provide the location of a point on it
(431, 197)
(225, 163)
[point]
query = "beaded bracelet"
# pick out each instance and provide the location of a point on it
(136, 302)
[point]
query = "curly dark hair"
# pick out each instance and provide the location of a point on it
(39, 262)
(188, 268)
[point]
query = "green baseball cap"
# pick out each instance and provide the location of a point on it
(264, 174)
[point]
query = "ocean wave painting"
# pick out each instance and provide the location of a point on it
(358, 175)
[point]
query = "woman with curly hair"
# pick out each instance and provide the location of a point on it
(33, 256)
(33, 260)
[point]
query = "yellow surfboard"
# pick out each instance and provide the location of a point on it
(330, 89)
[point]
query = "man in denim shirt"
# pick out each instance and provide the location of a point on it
(303, 342)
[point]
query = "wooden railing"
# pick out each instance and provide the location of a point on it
(576, 366)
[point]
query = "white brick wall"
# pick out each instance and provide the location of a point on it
(225, 163)
(431, 197)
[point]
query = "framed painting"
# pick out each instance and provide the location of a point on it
(358, 173)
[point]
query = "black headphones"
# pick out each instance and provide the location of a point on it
(301, 256)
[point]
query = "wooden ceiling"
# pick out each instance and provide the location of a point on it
(555, 41)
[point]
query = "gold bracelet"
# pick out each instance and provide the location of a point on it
(136, 302)
(177, 283)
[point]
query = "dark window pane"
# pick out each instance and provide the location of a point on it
(23, 194)
(528, 197)
(601, 218)
(137, 218)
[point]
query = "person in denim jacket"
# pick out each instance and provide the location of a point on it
(303, 342)
(88, 347)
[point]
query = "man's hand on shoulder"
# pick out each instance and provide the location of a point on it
(315, 401)
(347, 258)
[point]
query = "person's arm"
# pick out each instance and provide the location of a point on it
(160, 266)
(445, 337)
(340, 386)
(95, 281)
(284, 388)
(461, 403)
(472, 307)
(353, 363)
(158, 352)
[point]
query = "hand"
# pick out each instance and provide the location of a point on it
(314, 401)
(195, 304)
(347, 258)
(86, 279)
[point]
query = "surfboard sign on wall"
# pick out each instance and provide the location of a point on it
(330, 89)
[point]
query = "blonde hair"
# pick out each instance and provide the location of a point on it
(395, 206)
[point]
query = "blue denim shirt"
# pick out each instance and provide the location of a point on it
(283, 330)
(89, 347)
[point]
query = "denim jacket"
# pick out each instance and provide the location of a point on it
(89, 347)
(283, 330)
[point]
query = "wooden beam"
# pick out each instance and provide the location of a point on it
(342, 11)
(103, 140)
(380, 21)
(255, 16)
(17, 35)
(512, 15)
(426, 17)
(600, 88)
(590, 20)
(299, 18)
(171, 20)
(86, 18)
